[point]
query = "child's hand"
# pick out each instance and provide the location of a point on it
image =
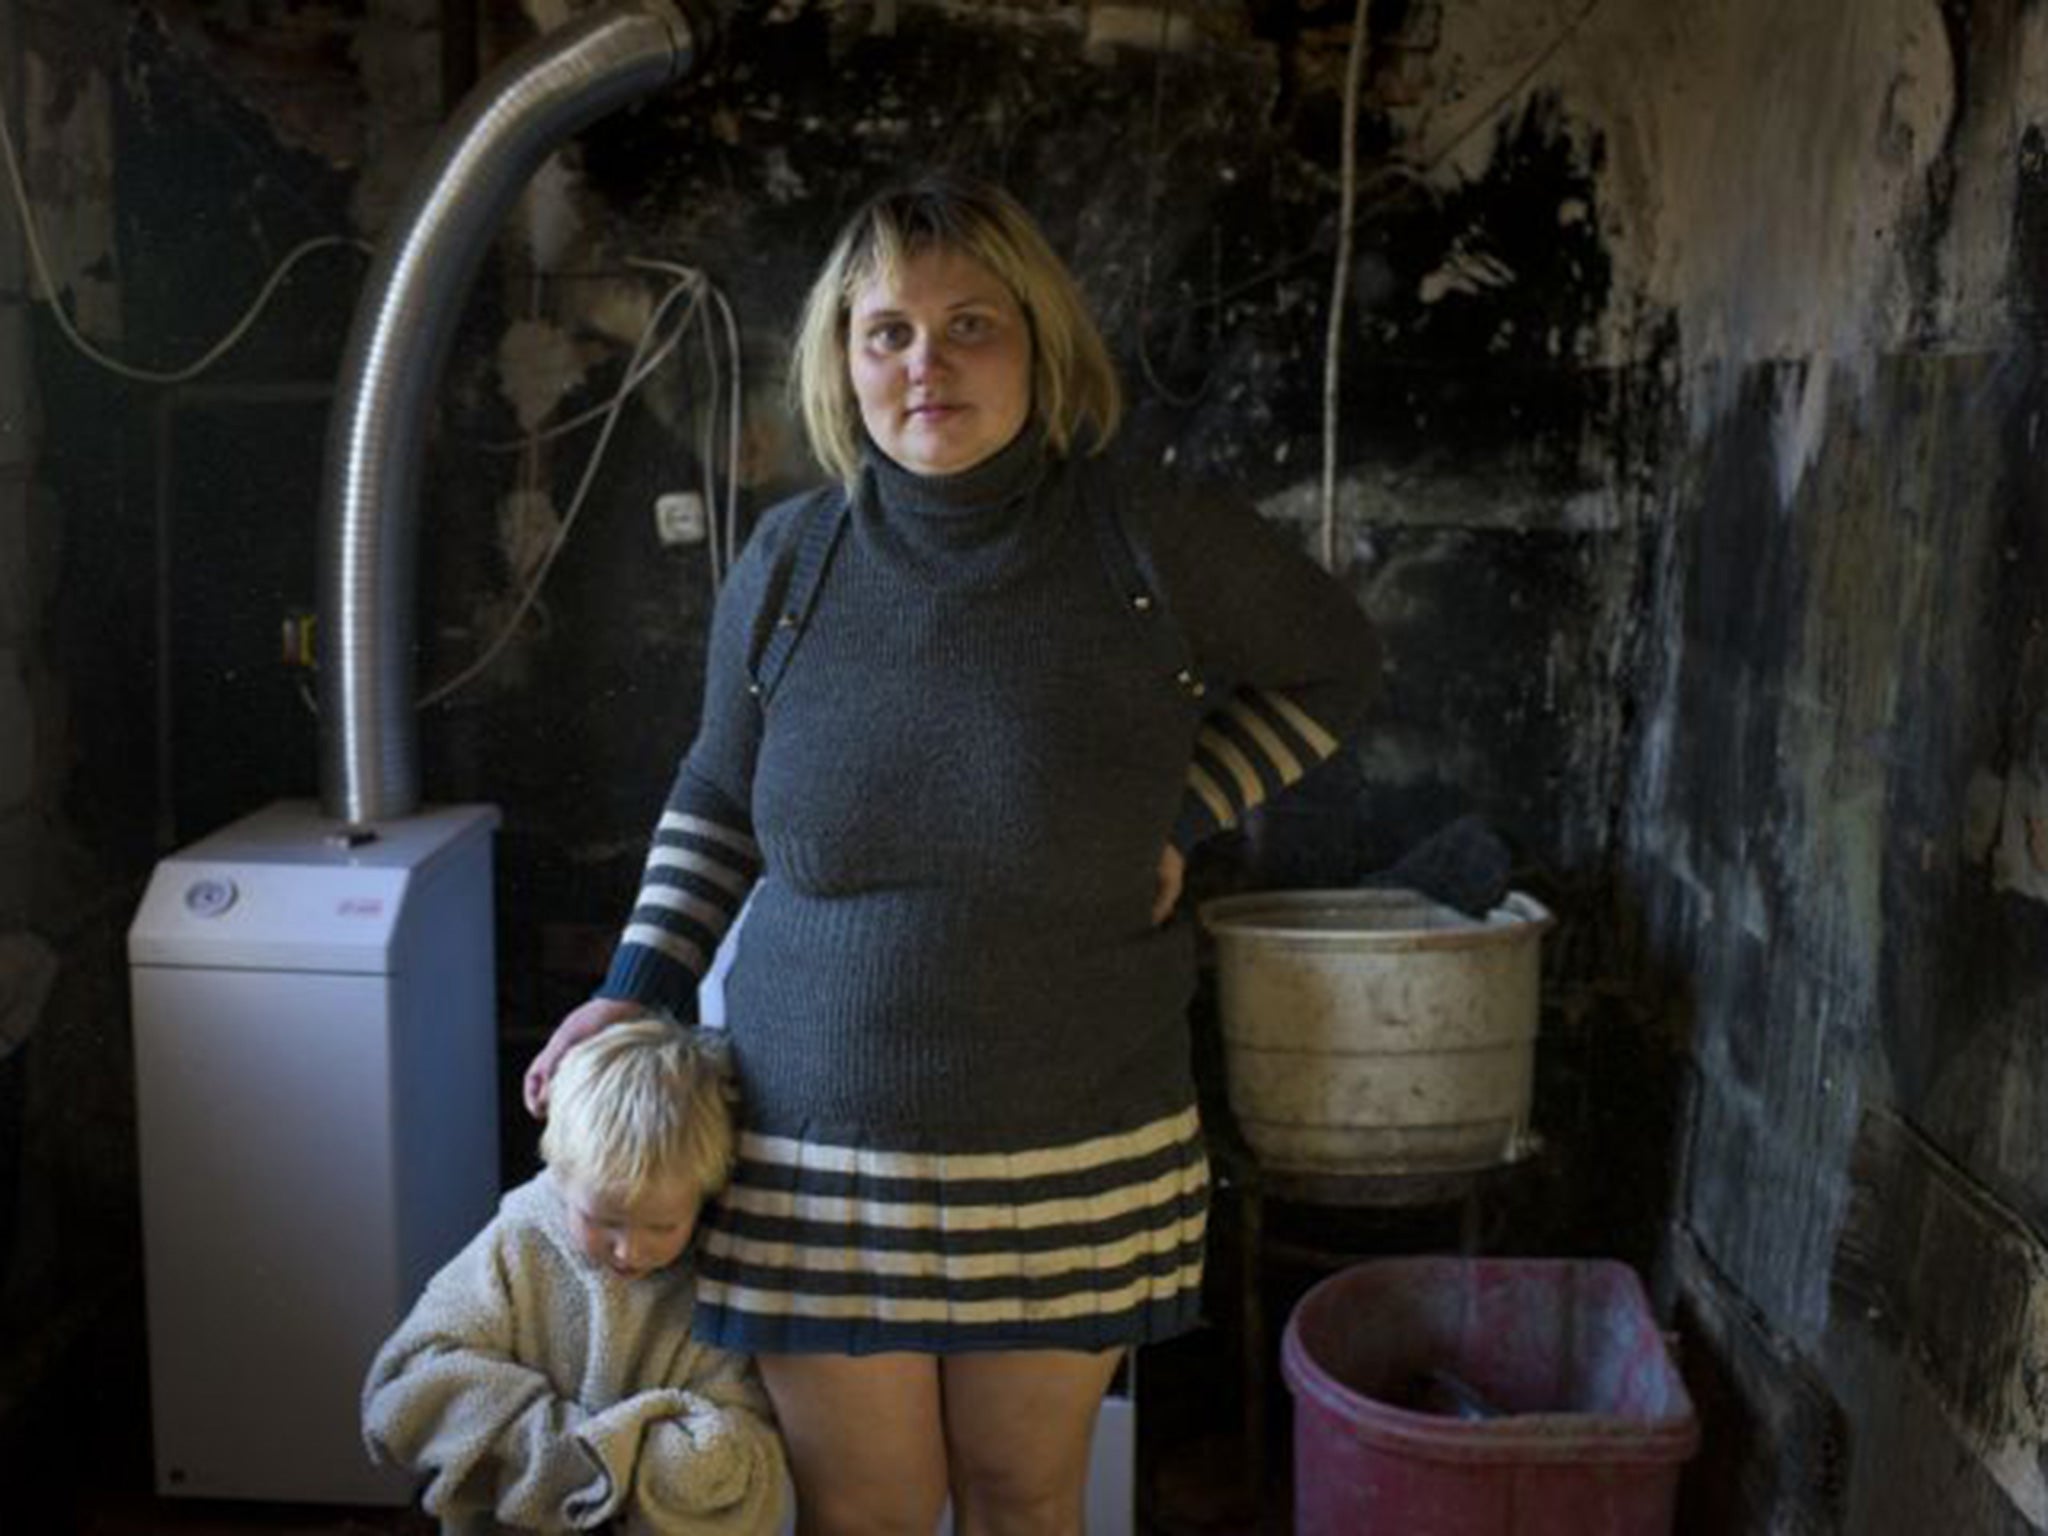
(579, 1026)
(696, 1462)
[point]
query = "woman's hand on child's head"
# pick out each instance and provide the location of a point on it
(577, 1027)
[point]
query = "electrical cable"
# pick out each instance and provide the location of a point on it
(707, 458)
(639, 367)
(735, 435)
(584, 418)
(724, 542)
(647, 355)
(1333, 339)
(1413, 173)
(1333, 336)
(32, 238)
(1152, 160)
(707, 420)
(448, 688)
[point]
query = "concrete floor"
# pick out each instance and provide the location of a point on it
(127, 1515)
(83, 1467)
(75, 1452)
(1192, 1487)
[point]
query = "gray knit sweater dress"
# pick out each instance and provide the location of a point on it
(962, 1044)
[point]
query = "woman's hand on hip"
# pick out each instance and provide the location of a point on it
(574, 1029)
(1172, 867)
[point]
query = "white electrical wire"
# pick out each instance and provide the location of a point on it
(584, 418)
(32, 238)
(707, 457)
(1154, 159)
(462, 679)
(646, 357)
(1334, 336)
(689, 280)
(722, 531)
(724, 542)
(1333, 339)
(707, 469)
(734, 437)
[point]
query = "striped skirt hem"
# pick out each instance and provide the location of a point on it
(824, 1248)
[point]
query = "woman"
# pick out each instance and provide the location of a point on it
(965, 713)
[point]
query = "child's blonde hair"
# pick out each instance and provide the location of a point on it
(643, 1102)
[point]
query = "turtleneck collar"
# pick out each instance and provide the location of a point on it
(968, 531)
(989, 487)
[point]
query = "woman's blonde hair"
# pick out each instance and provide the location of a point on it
(1074, 386)
(640, 1103)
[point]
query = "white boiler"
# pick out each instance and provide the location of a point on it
(316, 1075)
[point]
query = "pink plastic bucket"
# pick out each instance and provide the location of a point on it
(1484, 1397)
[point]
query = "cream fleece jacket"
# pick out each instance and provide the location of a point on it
(546, 1394)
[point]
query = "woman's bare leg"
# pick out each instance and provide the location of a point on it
(1018, 1427)
(866, 1441)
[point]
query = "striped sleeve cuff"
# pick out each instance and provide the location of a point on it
(1246, 752)
(697, 877)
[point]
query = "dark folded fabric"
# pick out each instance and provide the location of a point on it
(1463, 864)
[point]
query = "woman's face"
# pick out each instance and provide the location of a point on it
(941, 362)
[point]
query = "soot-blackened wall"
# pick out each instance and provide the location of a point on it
(1687, 423)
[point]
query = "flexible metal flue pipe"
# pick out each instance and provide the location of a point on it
(397, 349)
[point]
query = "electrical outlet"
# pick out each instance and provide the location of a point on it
(679, 517)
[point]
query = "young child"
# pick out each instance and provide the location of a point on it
(546, 1377)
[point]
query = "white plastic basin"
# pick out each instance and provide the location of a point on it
(1377, 1032)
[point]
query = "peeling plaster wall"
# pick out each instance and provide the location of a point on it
(67, 1197)
(1822, 222)
(1824, 833)
(162, 209)
(1773, 230)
